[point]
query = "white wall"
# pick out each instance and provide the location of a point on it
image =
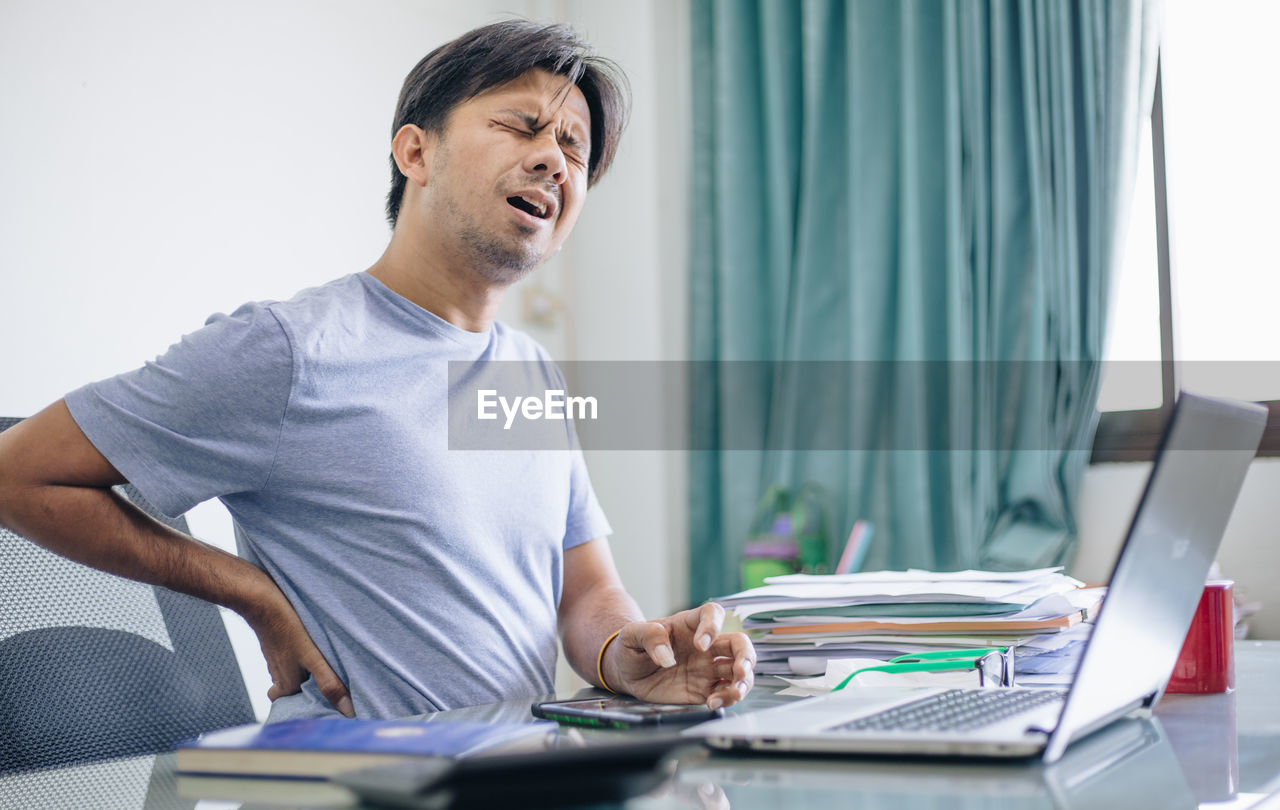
(162, 161)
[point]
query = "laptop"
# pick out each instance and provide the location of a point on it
(1154, 588)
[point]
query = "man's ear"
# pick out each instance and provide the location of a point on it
(412, 148)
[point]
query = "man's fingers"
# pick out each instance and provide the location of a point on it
(285, 680)
(737, 647)
(292, 657)
(735, 674)
(734, 665)
(736, 660)
(727, 669)
(710, 619)
(652, 637)
(280, 688)
(724, 694)
(724, 669)
(330, 685)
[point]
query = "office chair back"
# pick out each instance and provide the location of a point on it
(94, 666)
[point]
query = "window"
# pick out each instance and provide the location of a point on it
(1194, 301)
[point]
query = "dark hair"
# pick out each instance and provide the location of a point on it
(496, 54)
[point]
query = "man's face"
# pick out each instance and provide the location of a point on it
(509, 174)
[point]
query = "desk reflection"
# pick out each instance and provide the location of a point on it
(1129, 764)
(1208, 752)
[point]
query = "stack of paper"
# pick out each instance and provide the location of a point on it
(799, 622)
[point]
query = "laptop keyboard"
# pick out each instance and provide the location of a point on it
(954, 710)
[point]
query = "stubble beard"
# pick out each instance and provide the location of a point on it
(498, 260)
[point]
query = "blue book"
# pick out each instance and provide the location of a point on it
(319, 748)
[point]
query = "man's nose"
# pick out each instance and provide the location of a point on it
(545, 157)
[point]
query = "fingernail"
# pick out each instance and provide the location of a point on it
(742, 688)
(665, 658)
(344, 706)
(704, 642)
(715, 702)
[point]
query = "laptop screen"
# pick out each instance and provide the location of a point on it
(1161, 569)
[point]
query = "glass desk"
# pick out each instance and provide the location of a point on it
(1208, 751)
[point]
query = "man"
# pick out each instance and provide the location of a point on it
(384, 574)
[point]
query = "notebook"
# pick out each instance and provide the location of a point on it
(318, 747)
(1154, 589)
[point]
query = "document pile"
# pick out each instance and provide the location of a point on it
(798, 622)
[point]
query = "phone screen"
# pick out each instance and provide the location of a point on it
(621, 712)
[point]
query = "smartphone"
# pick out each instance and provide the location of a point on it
(621, 712)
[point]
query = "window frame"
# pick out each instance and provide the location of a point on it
(1135, 435)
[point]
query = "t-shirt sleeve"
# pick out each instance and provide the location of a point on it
(586, 520)
(200, 421)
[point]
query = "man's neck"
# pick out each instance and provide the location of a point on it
(462, 299)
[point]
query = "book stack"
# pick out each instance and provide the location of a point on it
(800, 622)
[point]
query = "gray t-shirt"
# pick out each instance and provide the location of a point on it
(429, 578)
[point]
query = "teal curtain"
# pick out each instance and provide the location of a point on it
(933, 185)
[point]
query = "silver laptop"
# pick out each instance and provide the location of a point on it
(1153, 592)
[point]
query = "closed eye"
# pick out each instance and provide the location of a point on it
(573, 149)
(527, 126)
(516, 129)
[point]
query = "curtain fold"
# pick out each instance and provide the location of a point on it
(925, 195)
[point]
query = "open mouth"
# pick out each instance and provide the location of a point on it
(533, 208)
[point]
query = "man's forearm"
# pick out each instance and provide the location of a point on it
(596, 615)
(101, 529)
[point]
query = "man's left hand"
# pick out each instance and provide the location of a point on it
(682, 659)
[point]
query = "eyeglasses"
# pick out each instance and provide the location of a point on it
(994, 664)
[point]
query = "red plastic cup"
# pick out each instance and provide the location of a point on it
(1207, 661)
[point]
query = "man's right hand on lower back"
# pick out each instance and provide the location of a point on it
(291, 654)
